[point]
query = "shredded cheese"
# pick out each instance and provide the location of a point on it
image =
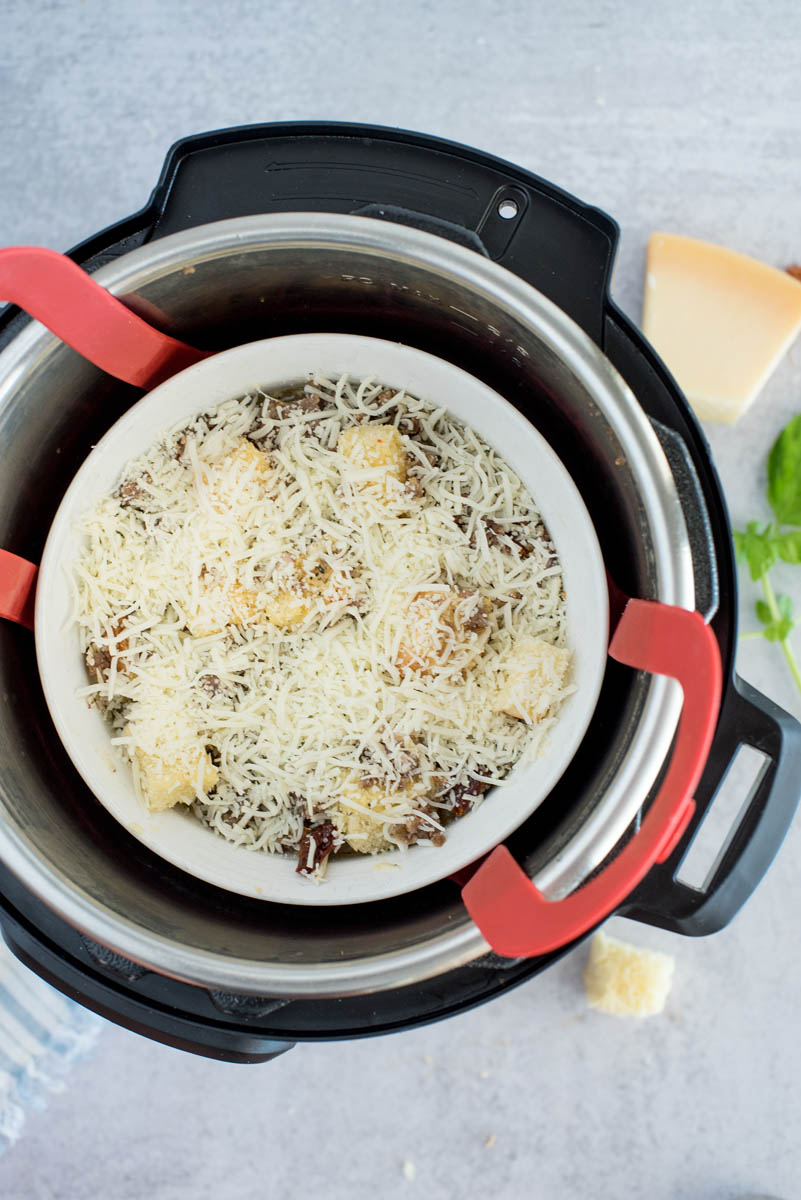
(255, 599)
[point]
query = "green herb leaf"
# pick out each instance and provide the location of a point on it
(761, 546)
(779, 628)
(784, 475)
(757, 547)
(763, 612)
(788, 546)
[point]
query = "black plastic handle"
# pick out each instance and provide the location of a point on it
(748, 719)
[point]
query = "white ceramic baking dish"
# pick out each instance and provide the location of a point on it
(175, 834)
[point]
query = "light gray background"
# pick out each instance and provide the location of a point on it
(676, 116)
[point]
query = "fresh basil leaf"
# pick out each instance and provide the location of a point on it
(778, 628)
(788, 546)
(763, 612)
(784, 475)
(757, 548)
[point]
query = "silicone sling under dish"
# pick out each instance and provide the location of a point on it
(512, 914)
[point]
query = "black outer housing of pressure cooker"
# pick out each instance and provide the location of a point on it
(566, 250)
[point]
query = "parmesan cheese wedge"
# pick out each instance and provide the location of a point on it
(625, 980)
(721, 321)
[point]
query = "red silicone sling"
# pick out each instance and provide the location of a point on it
(56, 291)
(514, 917)
(17, 588)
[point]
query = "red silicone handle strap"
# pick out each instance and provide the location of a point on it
(17, 588)
(60, 294)
(514, 917)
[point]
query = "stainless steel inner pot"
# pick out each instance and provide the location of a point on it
(230, 282)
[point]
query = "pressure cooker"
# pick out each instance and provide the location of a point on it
(277, 229)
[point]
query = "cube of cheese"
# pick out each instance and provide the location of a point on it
(167, 781)
(625, 980)
(378, 451)
(443, 629)
(534, 682)
(719, 319)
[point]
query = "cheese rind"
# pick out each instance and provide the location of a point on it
(720, 320)
(625, 980)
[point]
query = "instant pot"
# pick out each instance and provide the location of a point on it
(277, 229)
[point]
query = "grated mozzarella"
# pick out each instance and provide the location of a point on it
(206, 537)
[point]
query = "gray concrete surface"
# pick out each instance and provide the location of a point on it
(685, 117)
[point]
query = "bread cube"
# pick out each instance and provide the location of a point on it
(244, 605)
(625, 980)
(220, 606)
(377, 449)
(443, 629)
(362, 832)
(300, 585)
(239, 480)
(287, 610)
(535, 680)
(167, 781)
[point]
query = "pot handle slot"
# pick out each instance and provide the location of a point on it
(748, 719)
(425, 222)
(56, 291)
(696, 518)
(513, 915)
(17, 588)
